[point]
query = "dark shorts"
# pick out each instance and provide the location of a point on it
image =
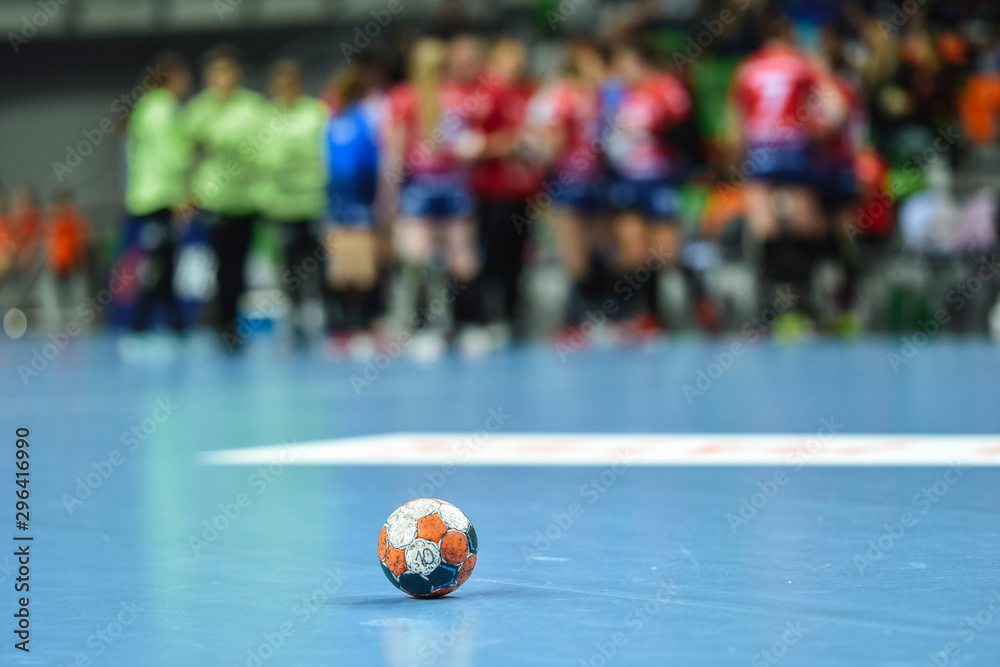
(437, 197)
(656, 199)
(837, 185)
(779, 164)
(578, 196)
(347, 209)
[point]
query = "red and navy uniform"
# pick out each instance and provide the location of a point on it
(437, 181)
(571, 112)
(774, 91)
(644, 163)
(510, 178)
(836, 151)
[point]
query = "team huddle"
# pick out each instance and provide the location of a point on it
(438, 182)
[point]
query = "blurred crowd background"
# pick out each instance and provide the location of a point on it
(147, 182)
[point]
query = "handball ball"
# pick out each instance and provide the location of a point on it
(427, 548)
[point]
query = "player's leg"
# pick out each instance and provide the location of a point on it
(302, 256)
(156, 239)
(353, 273)
(664, 247)
(413, 240)
(461, 241)
(503, 242)
(588, 281)
(231, 237)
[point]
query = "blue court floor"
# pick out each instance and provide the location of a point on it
(144, 557)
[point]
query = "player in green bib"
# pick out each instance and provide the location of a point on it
(158, 159)
(292, 191)
(228, 125)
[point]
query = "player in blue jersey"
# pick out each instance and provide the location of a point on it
(353, 146)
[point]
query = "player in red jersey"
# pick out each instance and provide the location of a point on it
(563, 128)
(505, 180)
(842, 126)
(775, 95)
(647, 168)
(780, 110)
(837, 150)
(431, 143)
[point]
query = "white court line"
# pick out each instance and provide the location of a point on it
(567, 449)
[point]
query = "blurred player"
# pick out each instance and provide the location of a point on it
(159, 157)
(563, 126)
(505, 180)
(227, 123)
(431, 144)
(292, 186)
(842, 127)
(646, 170)
(354, 142)
(775, 94)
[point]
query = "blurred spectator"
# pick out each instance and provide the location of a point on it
(26, 223)
(979, 105)
(68, 236)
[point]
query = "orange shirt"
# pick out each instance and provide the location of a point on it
(979, 106)
(67, 238)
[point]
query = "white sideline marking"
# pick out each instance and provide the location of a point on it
(568, 449)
